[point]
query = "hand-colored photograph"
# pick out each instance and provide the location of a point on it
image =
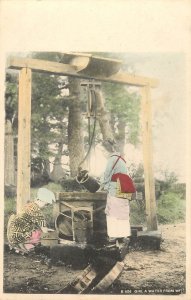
(95, 173)
(95, 149)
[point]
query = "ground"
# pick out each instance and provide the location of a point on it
(159, 272)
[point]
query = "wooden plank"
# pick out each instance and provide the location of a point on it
(129, 79)
(24, 138)
(41, 65)
(72, 70)
(82, 196)
(95, 66)
(137, 227)
(153, 234)
(109, 278)
(148, 158)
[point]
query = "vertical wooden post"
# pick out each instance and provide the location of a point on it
(148, 158)
(24, 138)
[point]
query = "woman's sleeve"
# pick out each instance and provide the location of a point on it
(106, 177)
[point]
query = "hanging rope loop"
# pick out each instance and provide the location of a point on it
(91, 112)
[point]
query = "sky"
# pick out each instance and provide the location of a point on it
(169, 105)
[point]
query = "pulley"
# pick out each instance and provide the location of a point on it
(91, 85)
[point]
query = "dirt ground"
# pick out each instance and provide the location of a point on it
(145, 272)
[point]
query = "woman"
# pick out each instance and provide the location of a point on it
(117, 206)
(24, 229)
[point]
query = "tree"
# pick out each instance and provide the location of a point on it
(50, 117)
(65, 118)
(9, 155)
(47, 117)
(75, 134)
(124, 110)
(103, 116)
(11, 98)
(11, 95)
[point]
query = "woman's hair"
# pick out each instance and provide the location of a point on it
(110, 145)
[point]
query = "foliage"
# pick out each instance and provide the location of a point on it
(171, 208)
(170, 198)
(125, 107)
(49, 111)
(11, 99)
(137, 215)
(9, 209)
(169, 180)
(180, 189)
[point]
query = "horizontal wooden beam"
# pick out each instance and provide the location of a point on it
(82, 196)
(41, 66)
(79, 71)
(130, 79)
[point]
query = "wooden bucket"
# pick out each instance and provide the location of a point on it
(83, 231)
(89, 183)
(49, 239)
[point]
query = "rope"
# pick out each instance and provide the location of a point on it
(92, 92)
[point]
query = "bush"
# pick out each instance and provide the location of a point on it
(137, 213)
(171, 208)
(9, 209)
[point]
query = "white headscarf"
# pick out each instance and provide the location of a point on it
(45, 195)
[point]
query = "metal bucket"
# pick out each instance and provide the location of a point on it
(79, 228)
(83, 231)
(63, 224)
(88, 182)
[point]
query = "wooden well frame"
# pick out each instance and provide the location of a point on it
(81, 65)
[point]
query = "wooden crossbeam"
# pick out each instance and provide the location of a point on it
(80, 72)
(83, 196)
(42, 66)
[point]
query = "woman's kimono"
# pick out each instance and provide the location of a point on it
(24, 229)
(117, 209)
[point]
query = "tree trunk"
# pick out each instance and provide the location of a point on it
(58, 172)
(47, 167)
(103, 117)
(121, 135)
(75, 133)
